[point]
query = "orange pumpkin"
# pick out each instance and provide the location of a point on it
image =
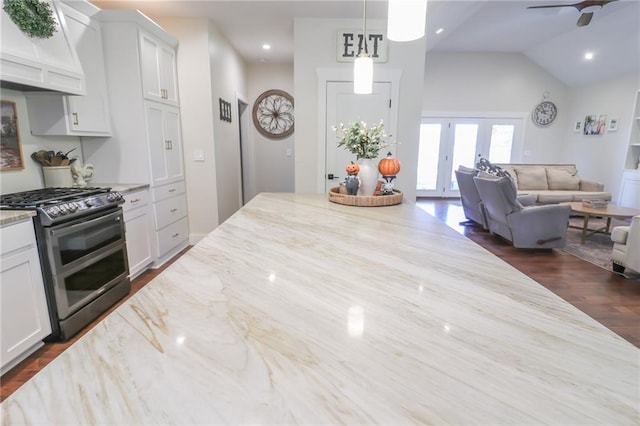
(389, 166)
(352, 169)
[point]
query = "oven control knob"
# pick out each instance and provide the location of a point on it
(53, 211)
(64, 209)
(72, 207)
(114, 196)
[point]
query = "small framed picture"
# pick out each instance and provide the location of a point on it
(10, 147)
(577, 127)
(613, 125)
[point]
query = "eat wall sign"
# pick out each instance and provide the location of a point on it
(350, 43)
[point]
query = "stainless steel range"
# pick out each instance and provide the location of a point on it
(81, 241)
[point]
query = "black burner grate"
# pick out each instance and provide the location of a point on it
(41, 197)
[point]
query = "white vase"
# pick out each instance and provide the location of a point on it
(368, 176)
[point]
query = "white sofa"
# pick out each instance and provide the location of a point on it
(626, 246)
(554, 183)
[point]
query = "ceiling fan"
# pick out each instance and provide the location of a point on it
(587, 7)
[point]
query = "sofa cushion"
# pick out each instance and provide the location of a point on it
(565, 179)
(532, 178)
(512, 173)
(591, 195)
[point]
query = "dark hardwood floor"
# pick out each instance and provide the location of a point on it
(608, 298)
(28, 368)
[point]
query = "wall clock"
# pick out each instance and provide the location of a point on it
(273, 114)
(544, 113)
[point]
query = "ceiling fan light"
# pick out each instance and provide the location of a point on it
(363, 75)
(406, 19)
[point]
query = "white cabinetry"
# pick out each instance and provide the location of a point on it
(146, 146)
(158, 62)
(138, 225)
(630, 189)
(88, 115)
(165, 143)
(24, 316)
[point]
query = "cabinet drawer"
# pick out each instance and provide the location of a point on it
(172, 236)
(166, 191)
(170, 210)
(17, 235)
(134, 200)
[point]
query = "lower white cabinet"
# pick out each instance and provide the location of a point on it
(138, 227)
(630, 189)
(24, 316)
(169, 206)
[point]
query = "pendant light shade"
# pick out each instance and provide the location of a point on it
(406, 19)
(363, 75)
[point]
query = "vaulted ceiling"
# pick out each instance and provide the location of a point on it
(549, 37)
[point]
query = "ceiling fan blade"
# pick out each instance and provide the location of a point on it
(584, 19)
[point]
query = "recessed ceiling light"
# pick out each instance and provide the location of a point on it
(439, 30)
(266, 46)
(588, 56)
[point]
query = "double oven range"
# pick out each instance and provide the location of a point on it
(80, 236)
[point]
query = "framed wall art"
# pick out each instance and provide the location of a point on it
(613, 125)
(594, 124)
(10, 147)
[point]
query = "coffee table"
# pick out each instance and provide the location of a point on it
(609, 212)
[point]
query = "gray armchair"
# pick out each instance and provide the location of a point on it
(469, 196)
(526, 227)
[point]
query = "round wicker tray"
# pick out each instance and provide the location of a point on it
(365, 201)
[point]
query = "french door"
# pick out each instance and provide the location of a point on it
(448, 142)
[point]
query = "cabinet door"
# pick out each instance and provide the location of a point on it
(169, 81)
(158, 62)
(90, 113)
(158, 145)
(165, 143)
(138, 241)
(175, 167)
(24, 316)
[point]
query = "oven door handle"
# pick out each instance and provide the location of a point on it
(63, 229)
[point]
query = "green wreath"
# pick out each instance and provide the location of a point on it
(33, 17)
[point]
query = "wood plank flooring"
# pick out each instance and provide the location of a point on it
(608, 298)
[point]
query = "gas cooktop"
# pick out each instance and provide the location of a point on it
(61, 204)
(41, 197)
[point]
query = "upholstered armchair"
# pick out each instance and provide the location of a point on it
(626, 246)
(525, 226)
(469, 196)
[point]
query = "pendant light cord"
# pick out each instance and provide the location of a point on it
(364, 27)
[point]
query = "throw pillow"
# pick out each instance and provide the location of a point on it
(531, 178)
(562, 179)
(486, 166)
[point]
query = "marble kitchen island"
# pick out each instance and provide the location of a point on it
(298, 310)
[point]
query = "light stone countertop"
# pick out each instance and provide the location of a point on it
(122, 188)
(298, 310)
(10, 216)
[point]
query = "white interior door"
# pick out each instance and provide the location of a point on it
(343, 106)
(448, 142)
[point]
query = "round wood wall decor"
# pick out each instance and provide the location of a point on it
(273, 114)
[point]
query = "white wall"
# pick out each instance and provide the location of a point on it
(494, 83)
(602, 157)
(31, 176)
(315, 48)
(197, 111)
(272, 167)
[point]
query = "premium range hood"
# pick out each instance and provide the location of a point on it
(33, 64)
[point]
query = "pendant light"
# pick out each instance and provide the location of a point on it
(363, 64)
(406, 19)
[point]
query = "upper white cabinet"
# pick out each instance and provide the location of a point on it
(158, 62)
(24, 316)
(88, 115)
(50, 64)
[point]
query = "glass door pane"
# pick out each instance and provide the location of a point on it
(501, 143)
(428, 156)
(464, 150)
